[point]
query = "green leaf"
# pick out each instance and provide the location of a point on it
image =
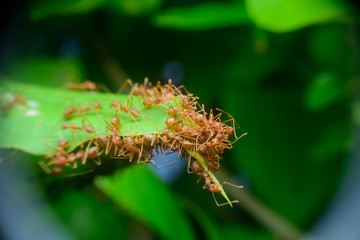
(211, 230)
(47, 8)
(203, 16)
(135, 7)
(144, 196)
(325, 89)
(290, 15)
(85, 215)
(36, 125)
(331, 141)
(330, 46)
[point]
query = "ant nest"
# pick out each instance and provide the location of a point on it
(198, 136)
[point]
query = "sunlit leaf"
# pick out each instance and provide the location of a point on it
(289, 15)
(145, 197)
(46, 8)
(36, 125)
(202, 16)
(135, 7)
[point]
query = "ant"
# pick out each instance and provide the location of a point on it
(19, 99)
(92, 153)
(134, 113)
(84, 86)
(70, 111)
(130, 145)
(87, 128)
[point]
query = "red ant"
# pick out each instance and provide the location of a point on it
(20, 99)
(134, 113)
(87, 128)
(91, 153)
(70, 111)
(130, 145)
(84, 86)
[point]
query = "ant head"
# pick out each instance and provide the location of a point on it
(170, 121)
(115, 104)
(230, 130)
(63, 143)
(166, 131)
(115, 121)
(97, 105)
(89, 129)
(56, 170)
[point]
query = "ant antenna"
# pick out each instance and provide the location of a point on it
(122, 87)
(232, 118)
(239, 137)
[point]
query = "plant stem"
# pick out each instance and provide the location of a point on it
(271, 220)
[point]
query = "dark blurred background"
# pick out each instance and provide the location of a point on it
(287, 71)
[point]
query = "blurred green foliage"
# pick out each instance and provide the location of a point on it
(283, 69)
(151, 201)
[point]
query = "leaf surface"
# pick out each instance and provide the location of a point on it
(202, 16)
(290, 15)
(36, 126)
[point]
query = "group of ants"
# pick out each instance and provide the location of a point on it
(188, 128)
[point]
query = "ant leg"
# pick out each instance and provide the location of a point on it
(205, 186)
(98, 160)
(74, 166)
(239, 138)
(104, 88)
(165, 165)
(116, 157)
(217, 117)
(237, 186)
(121, 152)
(83, 161)
(122, 87)
(45, 167)
(211, 115)
(223, 204)
(134, 119)
(188, 167)
(143, 161)
(232, 118)
(131, 156)
(140, 153)
(199, 178)
(108, 146)
(78, 174)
